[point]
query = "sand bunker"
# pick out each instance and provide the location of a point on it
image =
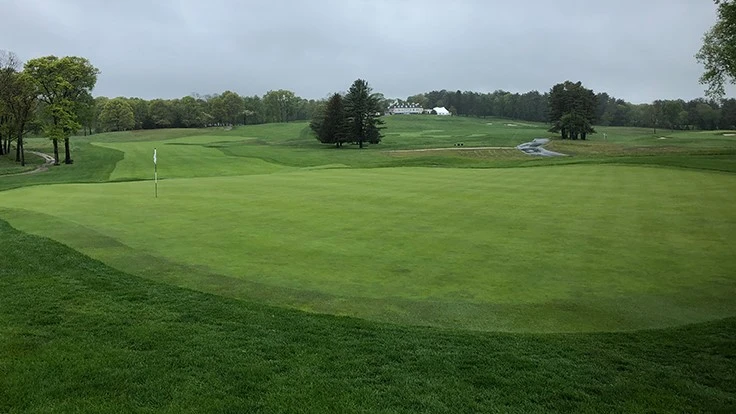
(729, 135)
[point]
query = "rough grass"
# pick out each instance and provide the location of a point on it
(9, 166)
(92, 164)
(77, 336)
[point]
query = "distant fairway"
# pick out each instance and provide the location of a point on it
(429, 249)
(566, 248)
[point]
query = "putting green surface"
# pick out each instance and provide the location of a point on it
(565, 248)
(191, 159)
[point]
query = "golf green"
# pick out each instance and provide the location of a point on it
(547, 249)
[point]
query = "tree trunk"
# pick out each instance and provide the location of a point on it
(67, 153)
(56, 151)
(583, 136)
(19, 143)
(2, 145)
(22, 153)
(360, 142)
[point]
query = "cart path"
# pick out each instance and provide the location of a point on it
(453, 149)
(49, 160)
(536, 148)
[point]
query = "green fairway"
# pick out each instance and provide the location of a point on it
(265, 149)
(502, 249)
(430, 250)
(189, 160)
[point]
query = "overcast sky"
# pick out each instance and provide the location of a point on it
(638, 50)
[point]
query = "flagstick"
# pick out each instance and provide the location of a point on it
(155, 174)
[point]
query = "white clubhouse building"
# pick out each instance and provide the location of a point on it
(413, 108)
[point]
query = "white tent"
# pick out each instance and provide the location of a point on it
(440, 110)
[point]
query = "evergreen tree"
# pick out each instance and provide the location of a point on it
(332, 127)
(363, 110)
(572, 110)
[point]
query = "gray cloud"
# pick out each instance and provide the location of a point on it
(635, 50)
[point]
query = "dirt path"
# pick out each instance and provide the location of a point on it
(453, 149)
(48, 161)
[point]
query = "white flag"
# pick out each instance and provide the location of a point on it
(154, 156)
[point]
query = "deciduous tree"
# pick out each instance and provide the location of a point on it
(9, 67)
(191, 112)
(718, 53)
(21, 102)
(255, 112)
(228, 108)
(280, 105)
(117, 115)
(161, 113)
(62, 83)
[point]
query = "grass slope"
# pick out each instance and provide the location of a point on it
(77, 336)
(9, 166)
(92, 164)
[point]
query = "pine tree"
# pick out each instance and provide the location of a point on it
(331, 126)
(572, 110)
(363, 111)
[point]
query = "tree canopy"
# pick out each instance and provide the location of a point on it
(363, 111)
(280, 106)
(228, 108)
(718, 53)
(352, 118)
(116, 115)
(62, 83)
(18, 102)
(331, 127)
(572, 110)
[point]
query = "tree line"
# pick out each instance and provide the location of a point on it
(46, 94)
(197, 111)
(700, 113)
(52, 96)
(571, 107)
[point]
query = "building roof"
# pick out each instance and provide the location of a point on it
(407, 105)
